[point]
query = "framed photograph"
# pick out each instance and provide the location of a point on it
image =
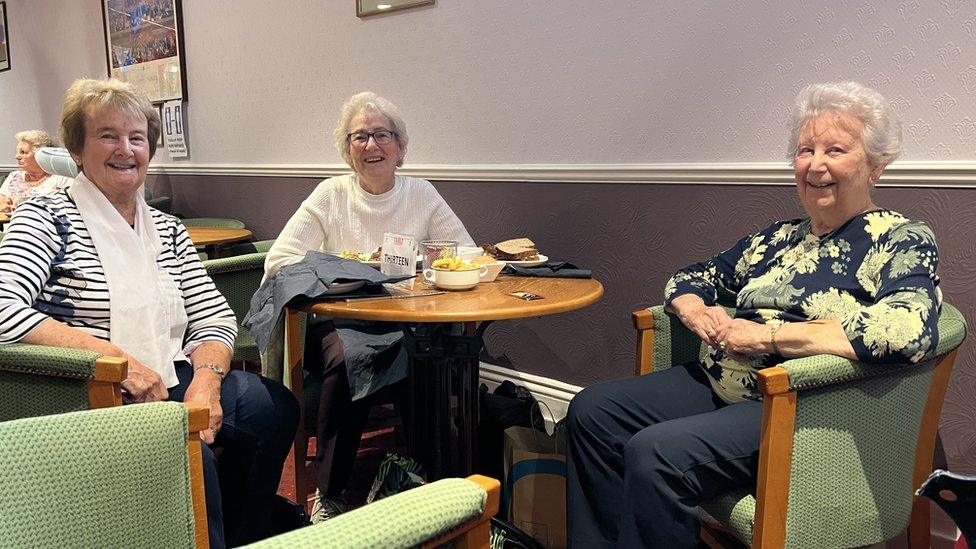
(376, 7)
(144, 46)
(4, 40)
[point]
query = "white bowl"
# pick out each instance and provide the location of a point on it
(468, 253)
(456, 280)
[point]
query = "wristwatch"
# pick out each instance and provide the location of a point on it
(216, 369)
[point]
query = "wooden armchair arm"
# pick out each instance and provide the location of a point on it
(102, 374)
(414, 518)
(644, 324)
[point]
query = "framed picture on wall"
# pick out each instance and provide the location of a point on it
(144, 46)
(4, 41)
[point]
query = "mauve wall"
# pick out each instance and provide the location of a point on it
(633, 236)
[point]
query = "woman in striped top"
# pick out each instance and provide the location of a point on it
(93, 267)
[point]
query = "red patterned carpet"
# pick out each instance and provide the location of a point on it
(378, 439)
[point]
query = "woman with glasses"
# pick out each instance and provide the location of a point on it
(351, 213)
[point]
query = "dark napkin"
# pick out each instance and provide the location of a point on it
(557, 269)
(308, 278)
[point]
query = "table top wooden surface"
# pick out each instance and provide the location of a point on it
(208, 236)
(486, 301)
(4, 217)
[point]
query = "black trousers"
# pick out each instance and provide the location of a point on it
(260, 418)
(340, 422)
(643, 452)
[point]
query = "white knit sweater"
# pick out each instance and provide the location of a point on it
(340, 216)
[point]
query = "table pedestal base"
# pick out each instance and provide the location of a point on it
(443, 385)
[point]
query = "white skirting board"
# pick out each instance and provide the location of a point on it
(554, 394)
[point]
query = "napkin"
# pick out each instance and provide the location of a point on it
(558, 269)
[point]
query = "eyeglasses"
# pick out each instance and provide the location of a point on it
(381, 137)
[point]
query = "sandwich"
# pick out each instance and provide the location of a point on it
(516, 249)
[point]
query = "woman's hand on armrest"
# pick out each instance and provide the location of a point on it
(142, 384)
(706, 321)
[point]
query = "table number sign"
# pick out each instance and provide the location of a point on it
(399, 254)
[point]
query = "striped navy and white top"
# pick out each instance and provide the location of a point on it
(49, 269)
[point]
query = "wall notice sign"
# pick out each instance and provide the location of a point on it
(399, 254)
(173, 129)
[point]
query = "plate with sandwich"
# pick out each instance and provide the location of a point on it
(517, 251)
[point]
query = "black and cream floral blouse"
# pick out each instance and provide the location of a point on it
(875, 274)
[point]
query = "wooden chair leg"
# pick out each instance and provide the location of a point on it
(198, 419)
(293, 339)
(919, 528)
(775, 455)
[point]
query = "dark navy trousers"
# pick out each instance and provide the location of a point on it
(240, 483)
(643, 452)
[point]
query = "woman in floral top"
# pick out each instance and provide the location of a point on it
(852, 279)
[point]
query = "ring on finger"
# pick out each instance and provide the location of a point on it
(721, 346)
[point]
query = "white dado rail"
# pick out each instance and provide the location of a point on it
(901, 174)
(938, 174)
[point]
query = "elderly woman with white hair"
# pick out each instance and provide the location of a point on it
(30, 180)
(351, 213)
(851, 279)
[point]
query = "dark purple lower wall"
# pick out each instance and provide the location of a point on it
(633, 237)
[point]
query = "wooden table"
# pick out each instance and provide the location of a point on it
(212, 236)
(4, 218)
(441, 359)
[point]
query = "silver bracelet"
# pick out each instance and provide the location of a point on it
(212, 367)
(773, 328)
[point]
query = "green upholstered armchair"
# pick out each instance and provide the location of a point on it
(129, 476)
(237, 278)
(844, 445)
(248, 247)
(38, 380)
(158, 500)
(161, 203)
(452, 511)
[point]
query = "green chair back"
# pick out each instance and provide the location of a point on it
(161, 203)
(248, 247)
(117, 477)
(237, 278)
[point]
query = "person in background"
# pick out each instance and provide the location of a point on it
(351, 213)
(851, 279)
(30, 180)
(94, 267)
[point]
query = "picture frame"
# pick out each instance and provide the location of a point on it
(144, 46)
(4, 39)
(365, 8)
